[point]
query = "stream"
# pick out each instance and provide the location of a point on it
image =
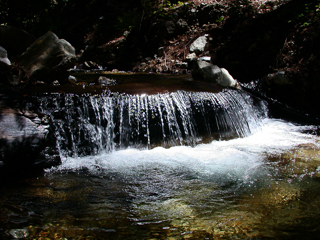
(170, 165)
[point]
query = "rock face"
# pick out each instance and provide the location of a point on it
(47, 57)
(23, 139)
(208, 72)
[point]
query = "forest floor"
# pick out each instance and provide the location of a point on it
(254, 42)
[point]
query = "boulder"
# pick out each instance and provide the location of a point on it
(191, 57)
(15, 40)
(24, 139)
(208, 72)
(4, 56)
(198, 45)
(226, 80)
(47, 58)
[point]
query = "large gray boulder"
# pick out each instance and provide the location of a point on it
(208, 72)
(48, 57)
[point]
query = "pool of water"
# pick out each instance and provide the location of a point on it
(264, 186)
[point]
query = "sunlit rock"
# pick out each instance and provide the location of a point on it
(191, 57)
(199, 45)
(226, 80)
(205, 71)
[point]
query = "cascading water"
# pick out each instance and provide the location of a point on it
(91, 124)
(180, 165)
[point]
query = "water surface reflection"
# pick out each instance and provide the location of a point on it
(258, 187)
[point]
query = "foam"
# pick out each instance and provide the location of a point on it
(241, 159)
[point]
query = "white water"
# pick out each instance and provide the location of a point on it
(89, 125)
(241, 160)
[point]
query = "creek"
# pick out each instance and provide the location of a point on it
(176, 164)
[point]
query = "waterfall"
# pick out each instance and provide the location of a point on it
(90, 124)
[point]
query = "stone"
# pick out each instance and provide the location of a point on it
(169, 28)
(198, 45)
(19, 233)
(4, 56)
(21, 139)
(72, 79)
(205, 58)
(47, 57)
(208, 72)
(104, 81)
(226, 80)
(182, 25)
(191, 57)
(280, 78)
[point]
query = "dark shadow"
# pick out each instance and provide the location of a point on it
(252, 44)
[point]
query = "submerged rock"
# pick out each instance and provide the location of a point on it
(19, 233)
(48, 57)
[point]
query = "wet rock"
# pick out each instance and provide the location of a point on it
(19, 233)
(198, 45)
(48, 57)
(23, 137)
(104, 81)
